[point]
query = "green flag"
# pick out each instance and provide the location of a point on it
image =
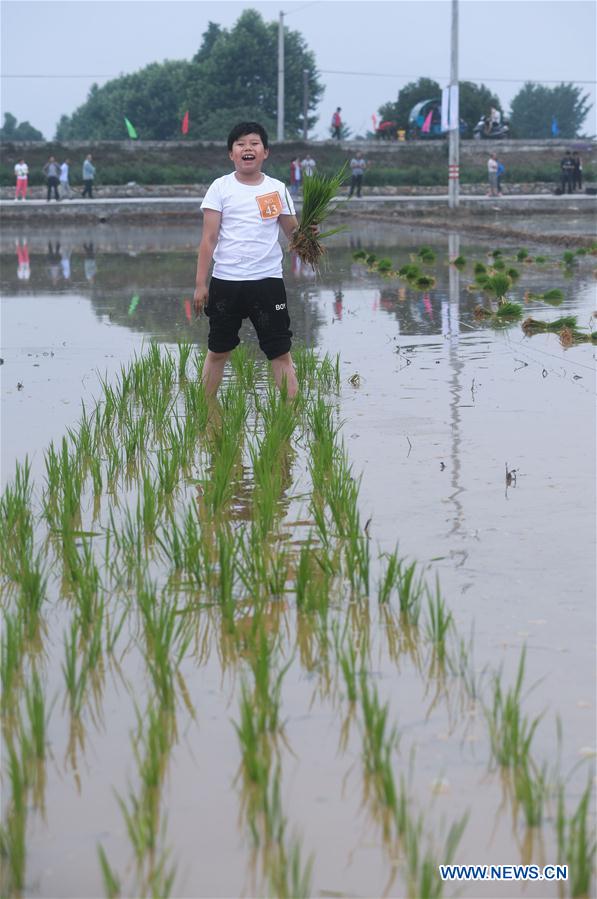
(130, 128)
(134, 303)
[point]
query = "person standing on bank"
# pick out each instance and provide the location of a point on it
(577, 173)
(52, 173)
(64, 183)
(492, 175)
(308, 165)
(22, 176)
(243, 213)
(337, 123)
(357, 168)
(567, 172)
(88, 176)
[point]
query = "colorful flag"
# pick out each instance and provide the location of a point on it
(427, 123)
(554, 126)
(185, 123)
(187, 311)
(134, 303)
(374, 120)
(130, 128)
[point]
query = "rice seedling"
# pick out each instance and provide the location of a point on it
(499, 265)
(12, 640)
(75, 671)
(196, 404)
(510, 731)
(348, 665)
(15, 512)
(459, 262)
(577, 844)
(319, 192)
(508, 310)
(226, 553)
(288, 877)
(36, 711)
(167, 638)
(371, 259)
(423, 880)
(568, 258)
(513, 274)
(482, 280)
(496, 253)
(534, 326)
(555, 295)
(168, 469)
(522, 254)
(184, 351)
(531, 790)
(255, 751)
(410, 271)
(540, 260)
(112, 885)
(13, 848)
(359, 255)
(439, 622)
(498, 284)
(479, 268)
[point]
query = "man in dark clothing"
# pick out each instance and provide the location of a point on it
(577, 175)
(567, 172)
(52, 173)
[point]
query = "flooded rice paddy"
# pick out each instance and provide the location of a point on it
(253, 648)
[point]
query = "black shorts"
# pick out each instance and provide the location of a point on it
(264, 302)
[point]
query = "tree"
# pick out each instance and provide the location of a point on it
(475, 101)
(535, 106)
(152, 99)
(408, 96)
(10, 131)
(236, 70)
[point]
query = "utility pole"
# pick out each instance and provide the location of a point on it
(454, 117)
(280, 134)
(305, 104)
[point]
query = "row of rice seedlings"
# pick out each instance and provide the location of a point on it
(26, 746)
(510, 731)
(142, 810)
(16, 518)
(226, 441)
(406, 583)
(577, 844)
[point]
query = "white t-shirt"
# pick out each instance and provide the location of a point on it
(248, 248)
(21, 169)
(308, 165)
(64, 172)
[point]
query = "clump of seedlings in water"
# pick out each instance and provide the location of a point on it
(510, 731)
(426, 255)
(424, 282)
(577, 844)
(459, 262)
(360, 255)
(553, 296)
(532, 326)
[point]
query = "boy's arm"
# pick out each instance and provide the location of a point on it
(288, 224)
(209, 239)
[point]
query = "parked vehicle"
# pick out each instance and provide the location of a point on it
(488, 130)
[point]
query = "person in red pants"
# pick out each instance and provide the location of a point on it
(22, 175)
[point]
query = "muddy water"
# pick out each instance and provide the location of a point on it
(440, 405)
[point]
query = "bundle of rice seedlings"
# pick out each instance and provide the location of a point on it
(479, 268)
(359, 255)
(569, 336)
(371, 258)
(482, 312)
(568, 257)
(459, 262)
(513, 273)
(522, 254)
(553, 296)
(499, 265)
(426, 254)
(534, 326)
(509, 310)
(496, 253)
(424, 282)
(540, 259)
(384, 265)
(482, 280)
(319, 192)
(410, 271)
(498, 285)
(581, 251)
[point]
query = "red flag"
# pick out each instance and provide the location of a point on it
(187, 311)
(185, 123)
(427, 123)
(374, 120)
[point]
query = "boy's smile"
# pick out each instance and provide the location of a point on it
(248, 155)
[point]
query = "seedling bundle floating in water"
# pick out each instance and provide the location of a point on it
(319, 192)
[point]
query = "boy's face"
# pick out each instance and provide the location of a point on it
(248, 153)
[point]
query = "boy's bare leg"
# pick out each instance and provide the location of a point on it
(283, 370)
(213, 370)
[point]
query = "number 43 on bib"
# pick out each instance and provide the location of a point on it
(270, 205)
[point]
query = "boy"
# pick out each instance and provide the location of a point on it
(242, 214)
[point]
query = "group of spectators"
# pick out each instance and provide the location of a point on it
(57, 179)
(570, 174)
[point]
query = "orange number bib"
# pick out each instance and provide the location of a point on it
(270, 205)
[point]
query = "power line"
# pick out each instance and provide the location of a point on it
(470, 78)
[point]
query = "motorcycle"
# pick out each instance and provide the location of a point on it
(487, 130)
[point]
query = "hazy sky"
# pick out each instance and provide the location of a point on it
(377, 46)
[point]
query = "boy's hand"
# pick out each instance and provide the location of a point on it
(200, 298)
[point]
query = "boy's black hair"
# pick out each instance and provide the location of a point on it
(247, 128)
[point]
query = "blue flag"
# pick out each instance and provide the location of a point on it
(554, 126)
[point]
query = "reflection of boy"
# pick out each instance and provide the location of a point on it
(242, 215)
(23, 266)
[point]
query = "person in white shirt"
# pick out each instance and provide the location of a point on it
(64, 182)
(492, 175)
(308, 165)
(22, 176)
(243, 213)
